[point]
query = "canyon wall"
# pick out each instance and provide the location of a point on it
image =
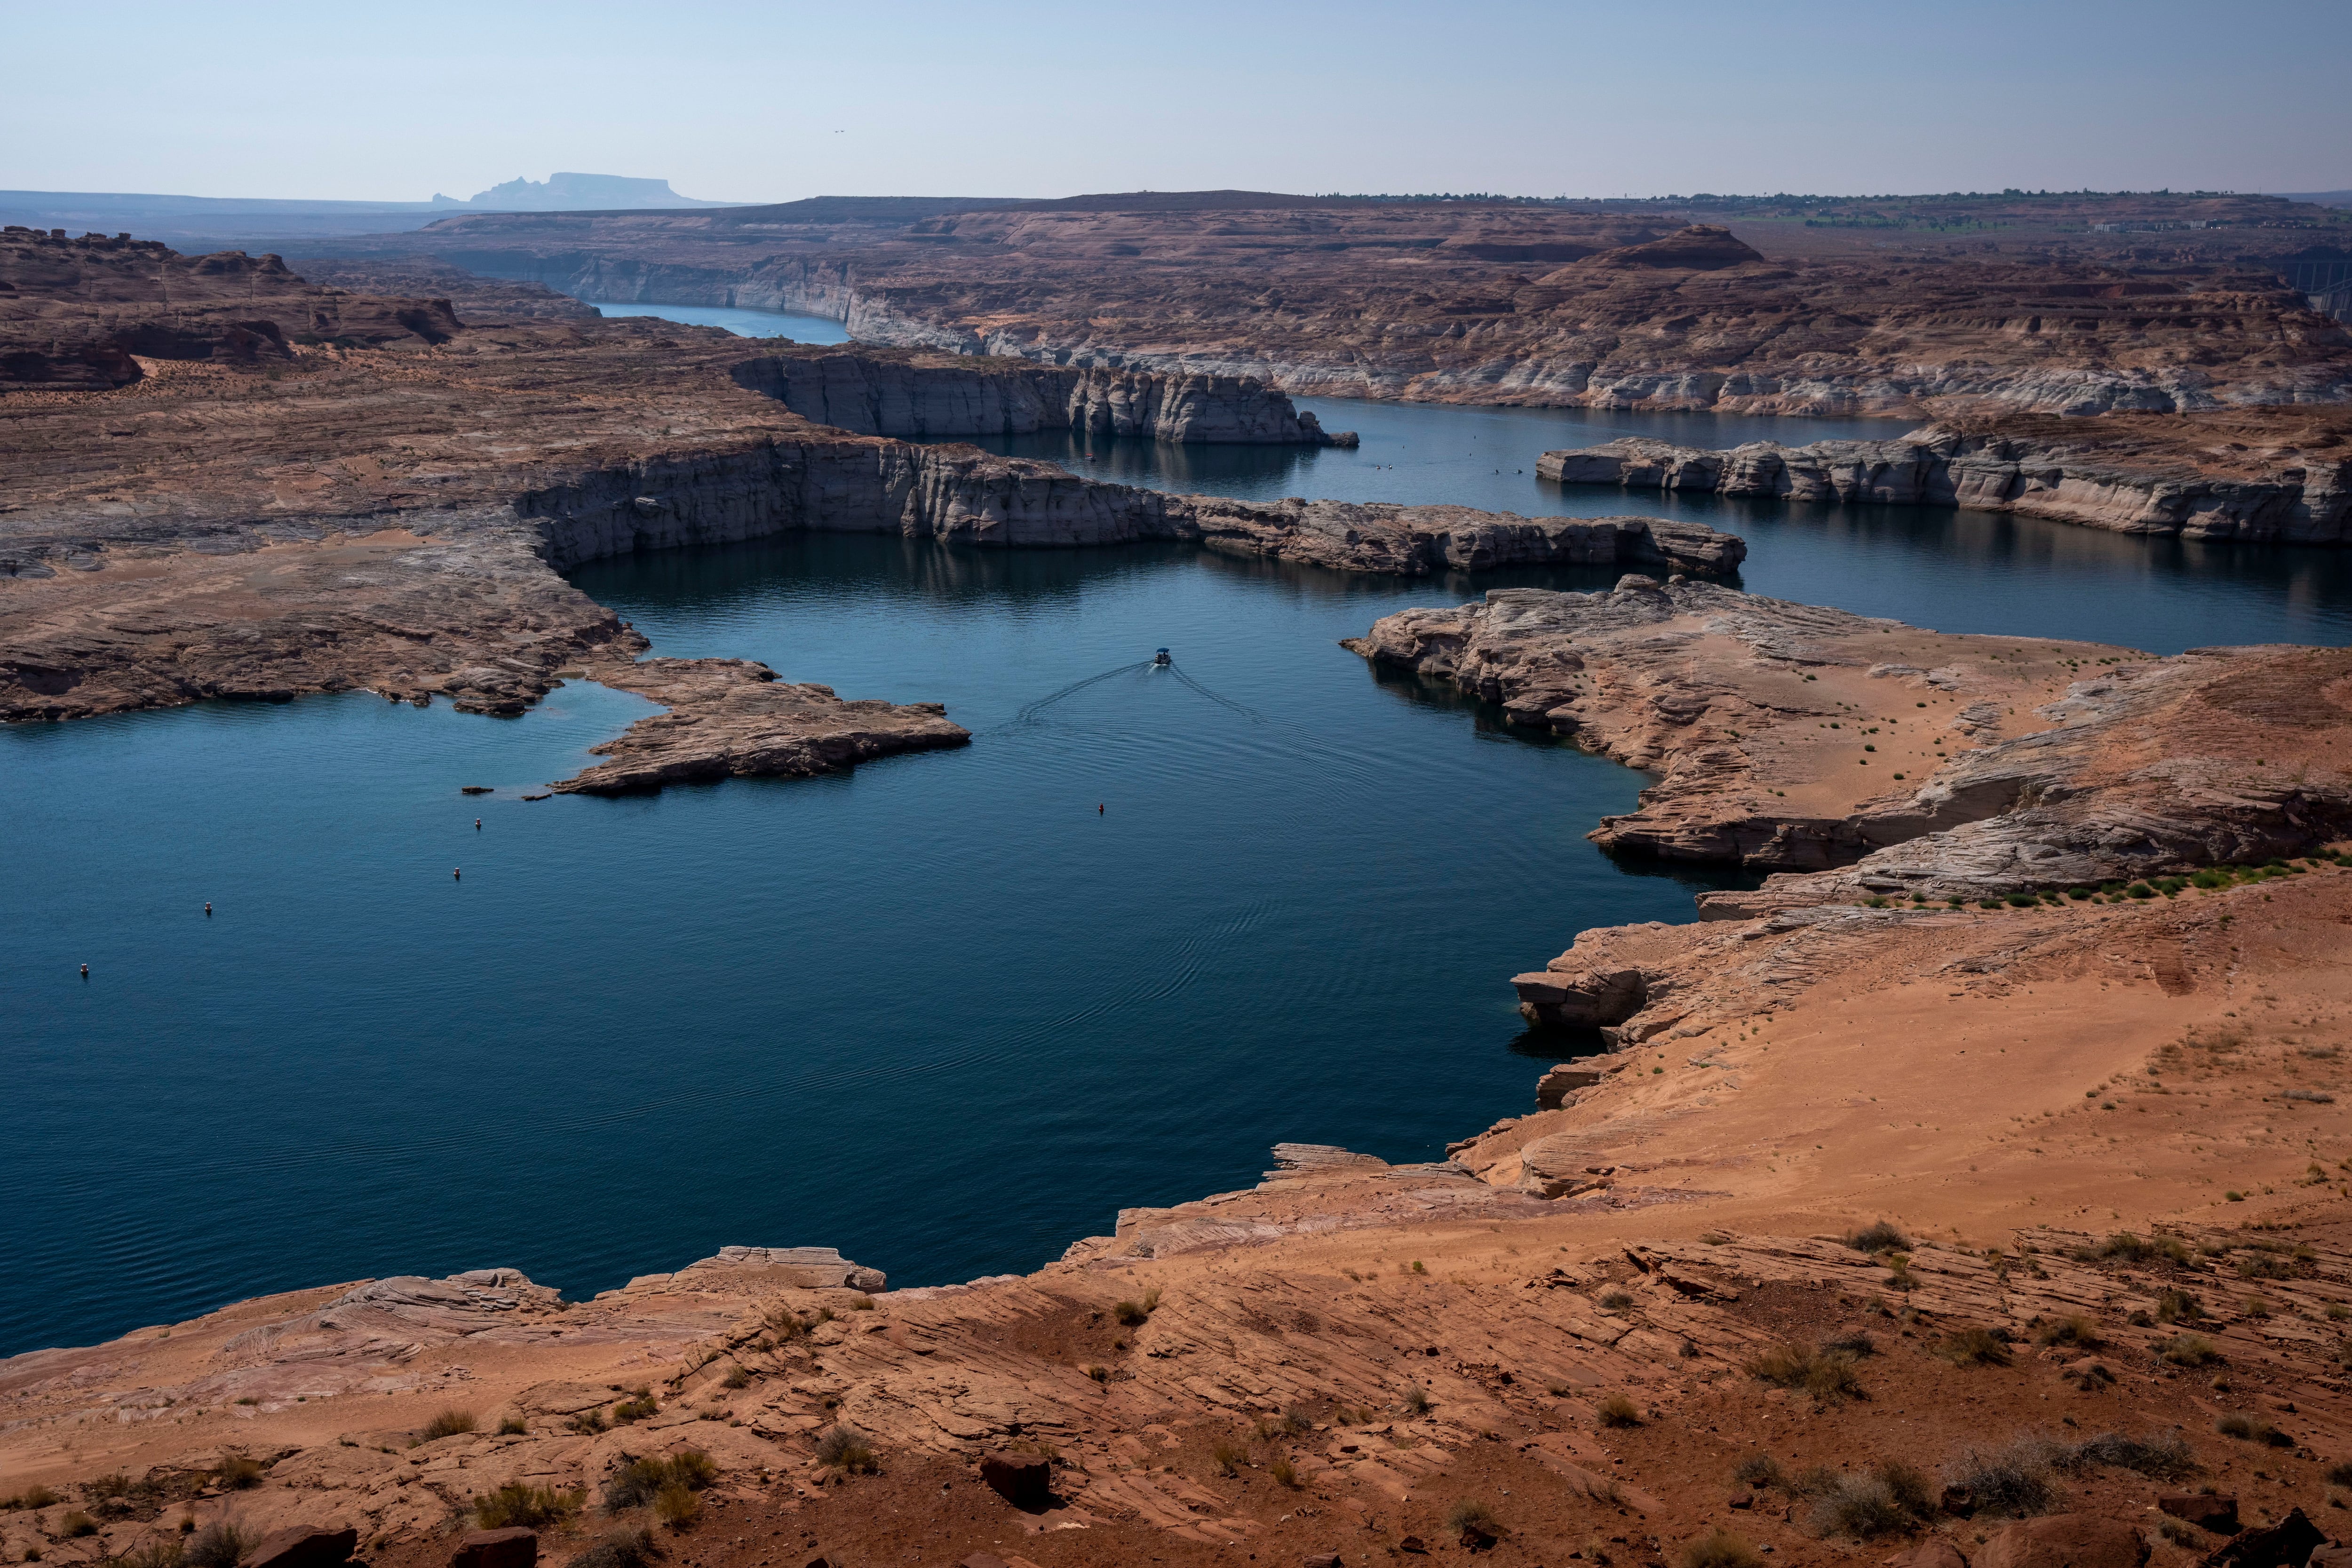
(2308, 503)
(929, 398)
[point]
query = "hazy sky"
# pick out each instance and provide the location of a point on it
(774, 100)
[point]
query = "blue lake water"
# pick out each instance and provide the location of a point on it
(742, 324)
(938, 1011)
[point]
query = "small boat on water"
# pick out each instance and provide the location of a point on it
(1161, 657)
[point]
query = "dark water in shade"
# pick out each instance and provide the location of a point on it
(937, 1012)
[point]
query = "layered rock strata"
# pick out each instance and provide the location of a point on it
(1784, 733)
(2058, 475)
(928, 396)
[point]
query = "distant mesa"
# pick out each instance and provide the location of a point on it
(575, 193)
(1701, 248)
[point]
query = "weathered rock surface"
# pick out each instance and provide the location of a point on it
(79, 314)
(731, 717)
(930, 395)
(2040, 471)
(1786, 733)
(1480, 302)
(2065, 1541)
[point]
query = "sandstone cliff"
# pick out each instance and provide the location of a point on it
(2063, 475)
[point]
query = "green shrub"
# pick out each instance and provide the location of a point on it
(448, 1424)
(589, 1422)
(640, 1481)
(640, 1404)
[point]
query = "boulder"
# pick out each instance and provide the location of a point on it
(1025, 1480)
(2331, 1556)
(302, 1546)
(1320, 1560)
(514, 1547)
(2288, 1543)
(2206, 1510)
(2065, 1540)
(981, 1560)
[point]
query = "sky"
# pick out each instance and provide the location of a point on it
(779, 100)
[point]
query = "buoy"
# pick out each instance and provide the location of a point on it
(208, 906)
(85, 972)
(1099, 810)
(477, 824)
(457, 876)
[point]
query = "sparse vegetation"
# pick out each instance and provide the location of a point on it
(588, 1422)
(1227, 1457)
(1973, 1346)
(448, 1424)
(514, 1426)
(2012, 1480)
(1878, 1237)
(1721, 1549)
(1416, 1400)
(636, 1407)
(677, 1506)
(1889, 1498)
(620, 1549)
(1760, 1470)
(639, 1481)
(2177, 1307)
(32, 1497)
(76, 1525)
(737, 1377)
(2253, 1429)
(215, 1546)
(1471, 1517)
(2077, 1329)
(2161, 1455)
(2189, 1350)
(1284, 1472)
(1823, 1375)
(519, 1503)
(2180, 1532)
(848, 1450)
(1616, 1410)
(1615, 1301)
(238, 1473)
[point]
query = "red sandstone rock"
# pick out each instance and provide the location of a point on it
(515, 1547)
(1025, 1480)
(310, 1546)
(2065, 1541)
(2216, 1511)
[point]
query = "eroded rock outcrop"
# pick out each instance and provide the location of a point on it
(2061, 475)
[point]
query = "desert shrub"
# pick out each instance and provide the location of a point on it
(620, 1549)
(521, 1503)
(1879, 1236)
(238, 1473)
(677, 1506)
(636, 1407)
(2253, 1429)
(100, 1488)
(1615, 1301)
(640, 1481)
(2177, 1307)
(215, 1546)
(1893, 1497)
(2339, 1474)
(32, 1497)
(1973, 1346)
(1297, 1421)
(1469, 1515)
(2013, 1480)
(1856, 1342)
(1721, 1549)
(1227, 1456)
(1760, 1470)
(1824, 1375)
(589, 1422)
(448, 1424)
(77, 1524)
(1416, 1400)
(1616, 1410)
(2189, 1350)
(2161, 1455)
(1284, 1472)
(2180, 1532)
(2077, 1329)
(1129, 1312)
(847, 1449)
(514, 1426)
(737, 1377)
(154, 1554)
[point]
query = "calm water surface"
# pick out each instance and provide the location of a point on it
(938, 1011)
